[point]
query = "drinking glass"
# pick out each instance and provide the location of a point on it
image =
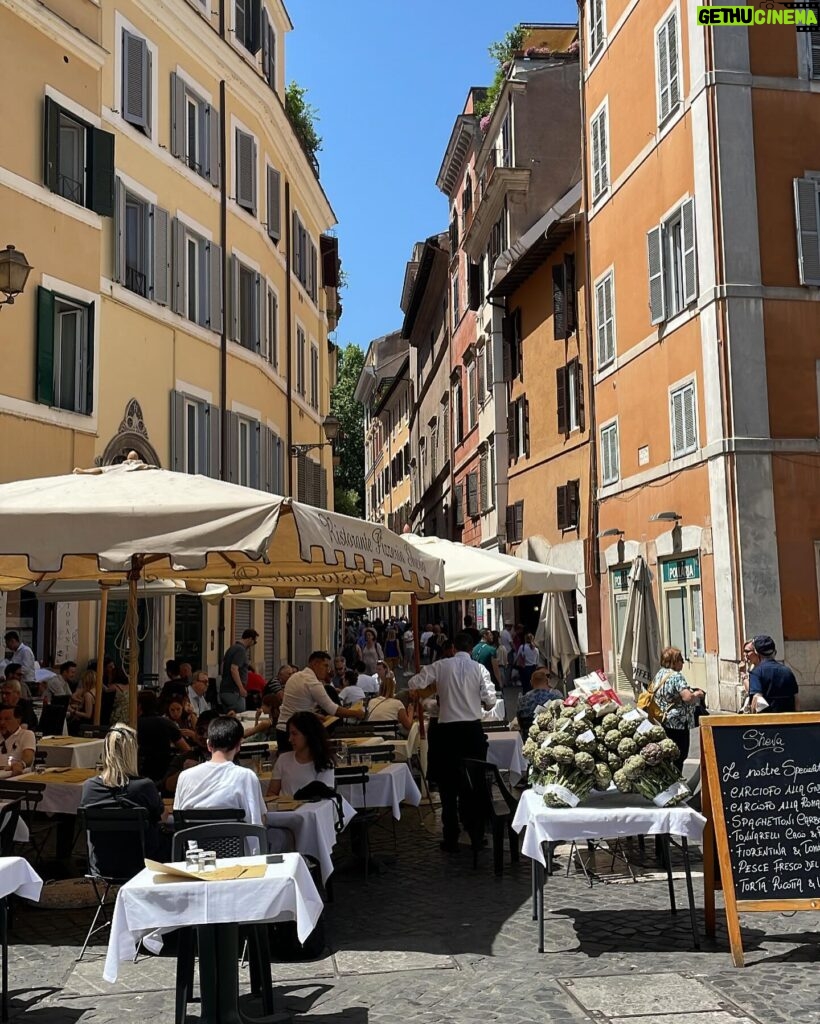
(267, 767)
(366, 760)
(207, 860)
(193, 859)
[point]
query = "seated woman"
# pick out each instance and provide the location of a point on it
(81, 705)
(119, 785)
(387, 707)
(264, 727)
(180, 712)
(310, 759)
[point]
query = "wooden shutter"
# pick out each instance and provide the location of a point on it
(232, 469)
(178, 135)
(459, 497)
(45, 346)
(297, 245)
(808, 230)
(474, 285)
(570, 314)
(213, 255)
(510, 524)
(203, 438)
(253, 31)
(233, 287)
(657, 291)
(559, 319)
(178, 242)
(662, 60)
(261, 312)
(246, 171)
(678, 442)
(490, 368)
(518, 347)
(573, 503)
(525, 416)
(600, 178)
(512, 431)
(690, 418)
(255, 443)
(561, 403)
(506, 348)
(519, 521)
(161, 263)
(136, 81)
(579, 393)
(484, 483)
(674, 67)
(51, 140)
(274, 225)
(445, 425)
(213, 423)
(214, 145)
(267, 55)
(561, 507)
(119, 231)
(88, 407)
(301, 481)
(480, 383)
(178, 431)
(472, 494)
(101, 172)
(266, 459)
(690, 264)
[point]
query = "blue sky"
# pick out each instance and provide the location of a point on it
(388, 79)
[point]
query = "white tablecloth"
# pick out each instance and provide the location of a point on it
(18, 876)
(58, 797)
(602, 816)
(496, 714)
(82, 754)
(146, 909)
(314, 829)
(386, 788)
(504, 749)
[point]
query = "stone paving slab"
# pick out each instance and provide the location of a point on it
(710, 1017)
(647, 994)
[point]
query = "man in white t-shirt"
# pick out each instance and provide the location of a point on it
(16, 742)
(219, 782)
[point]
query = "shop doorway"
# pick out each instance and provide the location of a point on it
(188, 631)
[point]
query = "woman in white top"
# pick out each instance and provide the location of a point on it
(527, 662)
(387, 707)
(310, 759)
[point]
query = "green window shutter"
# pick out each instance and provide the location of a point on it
(89, 363)
(45, 346)
(101, 172)
(559, 330)
(51, 135)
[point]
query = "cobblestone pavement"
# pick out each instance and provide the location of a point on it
(431, 941)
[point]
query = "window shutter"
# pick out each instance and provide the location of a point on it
(519, 521)
(559, 322)
(525, 412)
(662, 58)
(213, 425)
(136, 81)
(474, 285)
(574, 499)
(690, 418)
(569, 293)
(213, 254)
(657, 297)
(266, 453)
(161, 264)
(518, 345)
(600, 179)
(674, 68)
(51, 136)
(266, 50)
(808, 229)
(246, 171)
(234, 297)
(45, 346)
(178, 431)
(509, 523)
(690, 265)
(512, 431)
(232, 469)
(614, 455)
(301, 483)
(322, 488)
(178, 268)
(297, 245)
(214, 145)
(484, 482)
(472, 494)
(506, 348)
(314, 267)
(678, 443)
(177, 116)
(479, 363)
(459, 496)
(88, 408)
(579, 393)
(561, 507)
(445, 422)
(119, 231)
(490, 368)
(274, 226)
(280, 466)
(561, 404)
(255, 453)
(254, 27)
(814, 43)
(241, 615)
(101, 172)
(261, 312)
(202, 438)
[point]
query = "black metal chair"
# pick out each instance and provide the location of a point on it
(381, 752)
(9, 816)
(345, 731)
(497, 807)
(112, 863)
(52, 720)
(225, 838)
(30, 795)
(93, 732)
(190, 818)
(387, 729)
(366, 817)
(495, 726)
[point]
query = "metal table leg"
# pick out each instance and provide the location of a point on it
(690, 891)
(218, 978)
(535, 890)
(542, 877)
(4, 943)
(667, 857)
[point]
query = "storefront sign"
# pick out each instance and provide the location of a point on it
(620, 580)
(681, 570)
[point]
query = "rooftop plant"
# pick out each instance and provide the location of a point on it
(502, 51)
(303, 116)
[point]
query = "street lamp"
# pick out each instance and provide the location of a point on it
(14, 271)
(331, 427)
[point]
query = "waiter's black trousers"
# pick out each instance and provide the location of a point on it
(450, 743)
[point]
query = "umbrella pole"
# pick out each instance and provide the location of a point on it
(100, 652)
(414, 618)
(131, 632)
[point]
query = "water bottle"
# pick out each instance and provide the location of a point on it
(192, 855)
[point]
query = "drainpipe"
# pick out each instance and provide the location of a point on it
(289, 336)
(223, 340)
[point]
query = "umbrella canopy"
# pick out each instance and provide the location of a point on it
(641, 642)
(476, 572)
(91, 590)
(554, 636)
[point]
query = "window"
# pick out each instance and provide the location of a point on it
(480, 366)
(567, 502)
(466, 198)
(65, 352)
(472, 394)
(515, 523)
(454, 294)
(268, 51)
(314, 377)
(513, 346)
(301, 353)
(247, 22)
(489, 368)
(459, 504)
(563, 298)
(135, 102)
(454, 236)
(194, 130)
(305, 258)
(597, 26)
(458, 413)
(244, 452)
(684, 420)
(472, 495)
(505, 144)
(445, 429)
(806, 192)
(570, 397)
(498, 240)
(142, 255)
(491, 468)
(610, 460)
(247, 307)
(518, 429)
(244, 441)
(274, 205)
(136, 244)
(599, 132)
(272, 332)
(484, 478)
(195, 432)
(192, 436)
(475, 289)
(605, 319)
(667, 64)
(197, 275)
(246, 171)
(672, 264)
(78, 160)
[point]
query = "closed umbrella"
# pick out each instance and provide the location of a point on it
(641, 642)
(554, 637)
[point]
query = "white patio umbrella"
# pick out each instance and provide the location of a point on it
(554, 637)
(124, 522)
(641, 642)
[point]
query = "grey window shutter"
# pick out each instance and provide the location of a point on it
(519, 521)
(301, 485)
(178, 431)
(246, 171)
(45, 346)
(255, 454)
(814, 56)
(233, 447)
(214, 440)
(314, 269)
(203, 440)
(678, 441)
(212, 119)
(606, 468)
(178, 266)
(490, 368)
(213, 254)
(674, 69)
(136, 81)
(483, 482)
(480, 375)
(297, 246)
(119, 231)
(459, 504)
(101, 172)
(561, 506)
(261, 312)
(690, 418)
(274, 225)
(559, 328)
(662, 57)
(161, 264)
(657, 296)
(808, 230)
(233, 279)
(510, 523)
(561, 399)
(690, 258)
(279, 481)
(51, 137)
(88, 407)
(265, 459)
(322, 488)
(177, 116)
(518, 347)
(512, 423)
(203, 312)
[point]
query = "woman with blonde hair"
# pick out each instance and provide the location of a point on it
(81, 704)
(119, 785)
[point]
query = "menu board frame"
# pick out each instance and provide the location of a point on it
(716, 833)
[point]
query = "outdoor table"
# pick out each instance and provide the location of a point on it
(16, 876)
(313, 824)
(64, 788)
(70, 751)
(497, 713)
(601, 816)
(151, 905)
(504, 749)
(388, 786)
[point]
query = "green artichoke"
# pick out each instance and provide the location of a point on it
(603, 776)
(627, 747)
(563, 754)
(634, 767)
(622, 781)
(585, 763)
(669, 749)
(609, 721)
(628, 726)
(612, 739)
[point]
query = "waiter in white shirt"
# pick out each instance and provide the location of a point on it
(22, 655)
(305, 691)
(463, 687)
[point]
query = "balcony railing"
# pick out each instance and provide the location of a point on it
(68, 188)
(136, 281)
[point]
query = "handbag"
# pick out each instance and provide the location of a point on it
(647, 702)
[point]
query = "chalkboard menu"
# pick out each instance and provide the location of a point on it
(761, 796)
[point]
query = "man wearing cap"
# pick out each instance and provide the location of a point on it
(770, 681)
(232, 691)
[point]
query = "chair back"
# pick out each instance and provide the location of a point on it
(60, 701)
(495, 726)
(9, 816)
(378, 752)
(106, 707)
(389, 729)
(254, 749)
(353, 731)
(29, 793)
(52, 720)
(413, 740)
(486, 782)
(110, 854)
(93, 732)
(353, 775)
(225, 838)
(190, 817)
